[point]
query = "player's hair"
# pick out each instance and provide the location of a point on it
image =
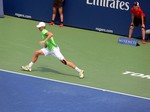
(136, 4)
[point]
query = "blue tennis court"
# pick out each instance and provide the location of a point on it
(25, 93)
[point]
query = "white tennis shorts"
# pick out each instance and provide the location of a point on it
(55, 52)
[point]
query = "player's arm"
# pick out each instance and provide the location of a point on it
(49, 35)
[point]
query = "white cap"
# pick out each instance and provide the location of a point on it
(41, 24)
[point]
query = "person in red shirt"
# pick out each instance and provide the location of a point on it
(57, 5)
(138, 18)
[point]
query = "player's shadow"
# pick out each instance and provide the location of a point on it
(44, 69)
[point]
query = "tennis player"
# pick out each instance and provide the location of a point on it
(50, 48)
(138, 18)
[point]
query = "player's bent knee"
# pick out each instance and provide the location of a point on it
(37, 53)
(142, 28)
(131, 27)
(64, 62)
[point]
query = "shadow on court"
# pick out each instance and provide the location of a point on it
(50, 70)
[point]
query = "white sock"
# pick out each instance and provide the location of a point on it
(77, 69)
(30, 64)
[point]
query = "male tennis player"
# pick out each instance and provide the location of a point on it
(50, 48)
(138, 18)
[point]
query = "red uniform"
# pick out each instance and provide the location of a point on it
(138, 18)
(138, 12)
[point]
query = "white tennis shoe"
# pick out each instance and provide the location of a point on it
(27, 68)
(81, 75)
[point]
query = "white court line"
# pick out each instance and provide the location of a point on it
(76, 84)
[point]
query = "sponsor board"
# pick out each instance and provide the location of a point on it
(127, 41)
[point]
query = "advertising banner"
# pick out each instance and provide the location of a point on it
(110, 16)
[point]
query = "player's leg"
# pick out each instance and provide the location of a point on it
(68, 63)
(36, 55)
(72, 65)
(34, 59)
(56, 52)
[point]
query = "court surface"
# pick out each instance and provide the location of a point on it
(105, 62)
(24, 93)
